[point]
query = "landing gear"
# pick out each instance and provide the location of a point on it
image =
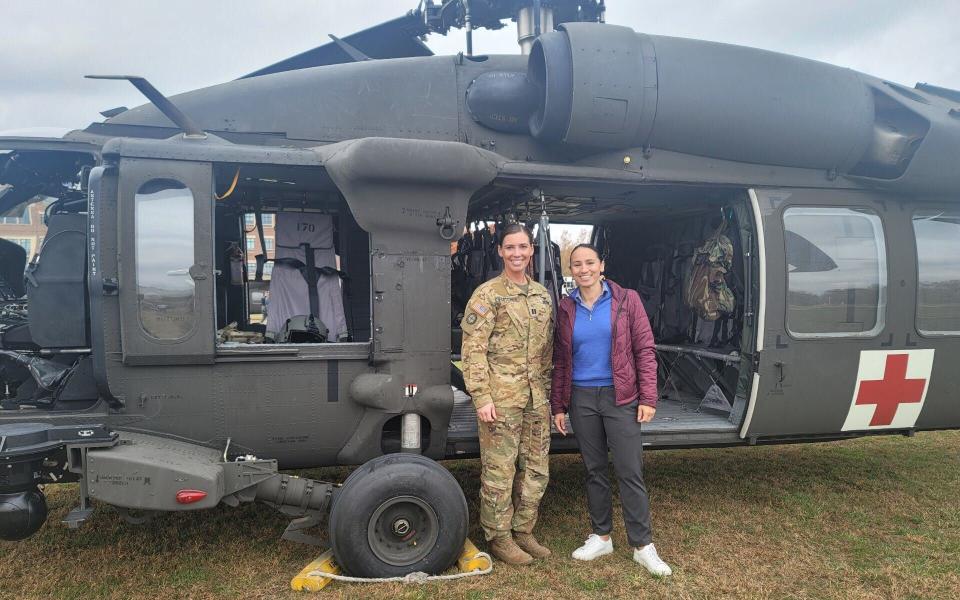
(398, 514)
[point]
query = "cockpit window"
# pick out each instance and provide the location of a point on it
(164, 254)
(836, 272)
(938, 291)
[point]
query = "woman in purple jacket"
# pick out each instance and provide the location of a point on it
(605, 376)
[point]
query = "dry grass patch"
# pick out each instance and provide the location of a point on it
(871, 518)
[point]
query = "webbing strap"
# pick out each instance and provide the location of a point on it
(300, 266)
(262, 257)
(311, 276)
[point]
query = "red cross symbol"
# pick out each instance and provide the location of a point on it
(891, 391)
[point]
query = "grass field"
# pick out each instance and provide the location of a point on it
(871, 518)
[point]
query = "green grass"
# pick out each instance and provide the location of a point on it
(871, 518)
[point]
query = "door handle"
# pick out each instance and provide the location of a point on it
(779, 366)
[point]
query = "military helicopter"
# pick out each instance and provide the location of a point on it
(133, 364)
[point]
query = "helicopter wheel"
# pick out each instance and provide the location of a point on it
(398, 514)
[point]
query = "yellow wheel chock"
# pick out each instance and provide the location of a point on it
(472, 559)
(310, 579)
(305, 581)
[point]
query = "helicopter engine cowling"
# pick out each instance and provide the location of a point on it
(608, 87)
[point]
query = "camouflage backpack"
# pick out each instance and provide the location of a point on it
(706, 290)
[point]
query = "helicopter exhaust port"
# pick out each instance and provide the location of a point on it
(608, 87)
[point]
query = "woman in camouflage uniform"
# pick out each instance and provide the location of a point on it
(507, 354)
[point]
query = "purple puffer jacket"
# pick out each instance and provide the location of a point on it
(632, 355)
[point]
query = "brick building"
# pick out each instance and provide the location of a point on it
(27, 229)
(252, 241)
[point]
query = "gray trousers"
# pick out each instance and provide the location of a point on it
(600, 425)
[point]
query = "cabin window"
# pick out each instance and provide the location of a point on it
(164, 254)
(836, 272)
(938, 292)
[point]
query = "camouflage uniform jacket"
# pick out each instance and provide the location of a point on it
(508, 344)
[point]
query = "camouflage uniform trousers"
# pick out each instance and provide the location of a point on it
(515, 469)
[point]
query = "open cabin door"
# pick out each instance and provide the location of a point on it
(837, 347)
(166, 277)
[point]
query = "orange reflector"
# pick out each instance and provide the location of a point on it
(190, 496)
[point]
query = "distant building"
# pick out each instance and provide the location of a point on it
(252, 241)
(27, 230)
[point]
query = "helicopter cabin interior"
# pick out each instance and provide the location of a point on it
(650, 236)
(285, 245)
(651, 239)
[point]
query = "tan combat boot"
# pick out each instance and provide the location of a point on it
(530, 545)
(508, 551)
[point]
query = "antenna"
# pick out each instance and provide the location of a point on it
(468, 25)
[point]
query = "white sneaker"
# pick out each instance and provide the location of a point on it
(594, 547)
(648, 557)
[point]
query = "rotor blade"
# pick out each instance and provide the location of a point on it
(398, 38)
(162, 103)
(943, 92)
(355, 54)
(804, 256)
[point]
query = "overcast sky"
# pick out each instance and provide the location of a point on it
(46, 46)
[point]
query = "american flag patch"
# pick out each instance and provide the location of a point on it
(480, 309)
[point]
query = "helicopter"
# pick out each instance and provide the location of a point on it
(136, 361)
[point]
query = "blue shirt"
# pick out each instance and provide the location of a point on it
(592, 341)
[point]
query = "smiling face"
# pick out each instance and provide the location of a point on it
(586, 267)
(516, 251)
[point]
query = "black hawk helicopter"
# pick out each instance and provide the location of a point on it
(135, 361)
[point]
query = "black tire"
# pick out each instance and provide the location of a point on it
(397, 514)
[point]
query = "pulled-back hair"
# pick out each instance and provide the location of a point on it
(511, 229)
(588, 247)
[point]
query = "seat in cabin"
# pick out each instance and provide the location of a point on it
(305, 251)
(56, 285)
